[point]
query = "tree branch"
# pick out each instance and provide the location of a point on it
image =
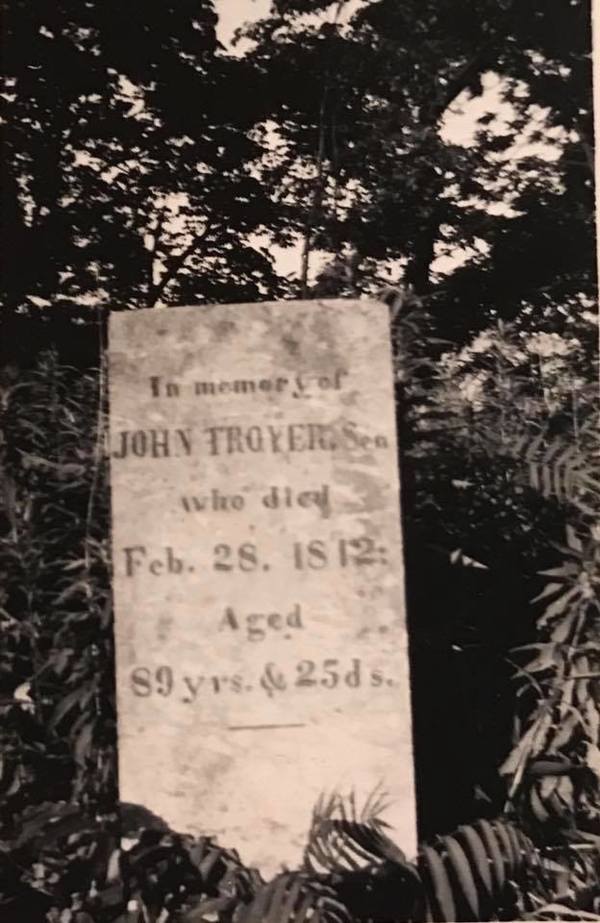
(175, 263)
(468, 72)
(156, 236)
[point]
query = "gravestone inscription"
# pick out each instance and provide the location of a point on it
(258, 576)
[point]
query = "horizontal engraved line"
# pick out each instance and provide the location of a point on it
(262, 727)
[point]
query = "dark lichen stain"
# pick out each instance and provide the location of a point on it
(292, 346)
(224, 328)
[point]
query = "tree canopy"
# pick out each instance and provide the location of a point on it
(366, 153)
(129, 160)
(147, 164)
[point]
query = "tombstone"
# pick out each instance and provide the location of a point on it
(258, 575)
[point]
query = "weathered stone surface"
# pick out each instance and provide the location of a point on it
(258, 576)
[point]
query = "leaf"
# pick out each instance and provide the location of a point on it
(494, 852)
(566, 700)
(565, 571)
(537, 807)
(432, 869)
(573, 540)
(545, 660)
(559, 606)
(528, 746)
(459, 557)
(74, 565)
(592, 720)
(562, 630)
(83, 743)
(592, 757)
(549, 590)
(506, 844)
(50, 821)
(565, 731)
(207, 907)
(23, 693)
(59, 660)
(462, 870)
(546, 786)
(291, 897)
(343, 838)
(564, 912)
(516, 846)
(582, 693)
(82, 587)
(473, 846)
(565, 793)
(66, 704)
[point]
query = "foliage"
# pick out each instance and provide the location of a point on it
(381, 185)
(129, 159)
(360, 864)
(164, 175)
(554, 767)
(503, 431)
(59, 710)
(522, 401)
(64, 868)
(58, 729)
(65, 863)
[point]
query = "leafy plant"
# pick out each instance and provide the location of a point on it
(63, 868)
(58, 724)
(559, 685)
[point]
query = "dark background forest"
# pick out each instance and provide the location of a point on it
(146, 164)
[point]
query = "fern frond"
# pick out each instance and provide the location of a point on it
(293, 897)
(343, 838)
(566, 468)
